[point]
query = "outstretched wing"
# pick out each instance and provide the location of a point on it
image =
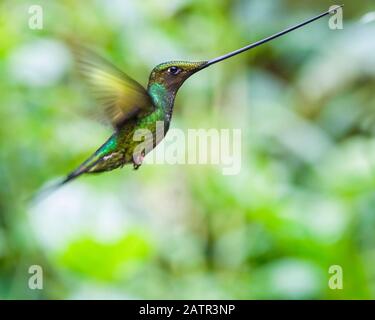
(120, 97)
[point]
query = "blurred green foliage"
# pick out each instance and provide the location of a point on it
(303, 201)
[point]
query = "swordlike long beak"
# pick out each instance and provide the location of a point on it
(276, 35)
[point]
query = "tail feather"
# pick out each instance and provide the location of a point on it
(48, 190)
(85, 167)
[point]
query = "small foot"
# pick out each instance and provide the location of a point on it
(136, 166)
(137, 160)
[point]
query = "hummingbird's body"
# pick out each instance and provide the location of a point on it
(131, 109)
(120, 148)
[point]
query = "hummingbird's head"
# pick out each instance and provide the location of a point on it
(173, 74)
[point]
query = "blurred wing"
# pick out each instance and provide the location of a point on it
(120, 97)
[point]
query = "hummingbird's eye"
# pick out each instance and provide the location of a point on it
(174, 70)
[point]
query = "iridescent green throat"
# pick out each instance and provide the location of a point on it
(162, 98)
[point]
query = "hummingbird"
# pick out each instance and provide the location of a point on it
(128, 106)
